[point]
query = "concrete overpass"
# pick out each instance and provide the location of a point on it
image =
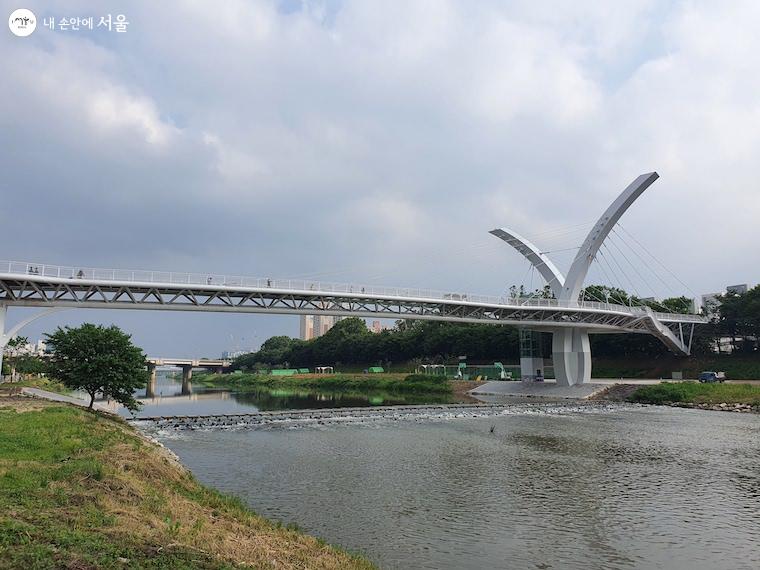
(187, 365)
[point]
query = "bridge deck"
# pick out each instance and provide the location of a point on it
(23, 284)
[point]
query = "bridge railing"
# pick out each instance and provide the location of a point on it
(215, 280)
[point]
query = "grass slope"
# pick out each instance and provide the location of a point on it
(79, 490)
(694, 392)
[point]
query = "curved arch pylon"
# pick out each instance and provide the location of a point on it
(571, 348)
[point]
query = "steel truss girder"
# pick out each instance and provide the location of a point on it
(21, 291)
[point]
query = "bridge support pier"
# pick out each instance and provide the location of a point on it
(571, 353)
(187, 376)
(150, 388)
(3, 339)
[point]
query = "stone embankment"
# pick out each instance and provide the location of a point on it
(722, 407)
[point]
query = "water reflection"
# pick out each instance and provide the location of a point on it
(168, 395)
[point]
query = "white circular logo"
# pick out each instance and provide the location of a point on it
(22, 22)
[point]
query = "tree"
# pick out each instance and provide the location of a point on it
(98, 359)
(605, 294)
(739, 318)
(680, 304)
(11, 362)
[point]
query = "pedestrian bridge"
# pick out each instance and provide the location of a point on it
(25, 284)
(58, 286)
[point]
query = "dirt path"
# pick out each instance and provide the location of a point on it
(460, 389)
(616, 392)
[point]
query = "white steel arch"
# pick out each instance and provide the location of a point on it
(571, 348)
(587, 252)
(540, 261)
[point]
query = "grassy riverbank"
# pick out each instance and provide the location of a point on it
(737, 367)
(80, 490)
(399, 383)
(696, 393)
(43, 382)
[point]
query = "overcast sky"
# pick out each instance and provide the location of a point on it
(377, 142)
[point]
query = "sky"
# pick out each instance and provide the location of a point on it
(377, 143)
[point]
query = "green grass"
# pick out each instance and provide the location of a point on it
(42, 383)
(412, 383)
(82, 490)
(736, 367)
(694, 392)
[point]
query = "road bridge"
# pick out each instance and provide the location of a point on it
(187, 365)
(566, 316)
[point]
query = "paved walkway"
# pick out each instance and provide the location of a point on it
(44, 394)
(547, 389)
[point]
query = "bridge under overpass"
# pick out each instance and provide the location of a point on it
(187, 365)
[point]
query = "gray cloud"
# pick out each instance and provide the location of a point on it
(375, 143)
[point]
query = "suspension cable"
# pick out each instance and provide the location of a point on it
(630, 281)
(667, 285)
(644, 279)
(665, 267)
(612, 281)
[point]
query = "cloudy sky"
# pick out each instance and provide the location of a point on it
(377, 142)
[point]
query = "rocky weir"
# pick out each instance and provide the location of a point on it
(332, 416)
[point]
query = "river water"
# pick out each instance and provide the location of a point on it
(559, 487)
(169, 400)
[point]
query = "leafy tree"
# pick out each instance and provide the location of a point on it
(681, 305)
(10, 363)
(605, 294)
(273, 350)
(739, 318)
(98, 359)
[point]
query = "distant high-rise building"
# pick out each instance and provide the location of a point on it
(710, 303)
(307, 327)
(313, 326)
(738, 289)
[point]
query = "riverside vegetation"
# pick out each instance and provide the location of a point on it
(84, 490)
(398, 383)
(697, 393)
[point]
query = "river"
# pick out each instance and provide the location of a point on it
(561, 487)
(169, 400)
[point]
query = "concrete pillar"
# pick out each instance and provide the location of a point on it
(150, 389)
(3, 339)
(571, 352)
(187, 375)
